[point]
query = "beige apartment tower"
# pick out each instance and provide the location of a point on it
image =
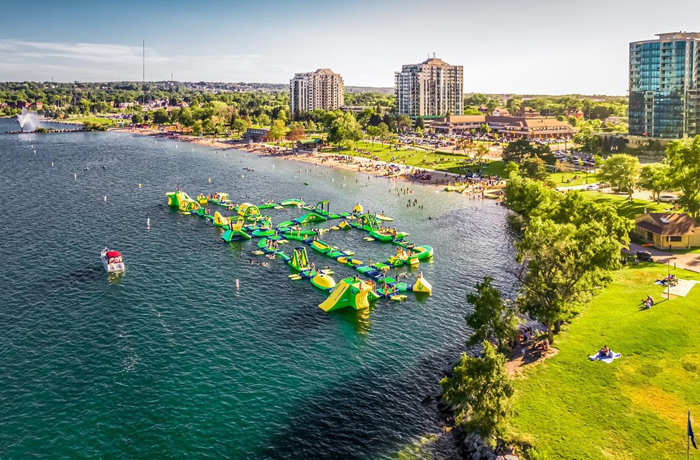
(432, 88)
(321, 89)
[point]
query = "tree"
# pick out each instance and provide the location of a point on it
(296, 133)
(403, 122)
(655, 178)
(684, 168)
(329, 117)
(621, 171)
(197, 128)
(492, 316)
(481, 151)
(276, 131)
(373, 132)
(383, 132)
(513, 105)
(136, 119)
(511, 170)
(420, 123)
(534, 168)
(479, 390)
(240, 125)
(345, 130)
(562, 264)
(517, 151)
(263, 119)
(161, 116)
(563, 167)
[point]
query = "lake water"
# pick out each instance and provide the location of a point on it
(170, 361)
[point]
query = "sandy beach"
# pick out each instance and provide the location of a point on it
(410, 174)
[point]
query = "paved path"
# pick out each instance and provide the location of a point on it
(686, 261)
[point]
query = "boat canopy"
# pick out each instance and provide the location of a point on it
(111, 254)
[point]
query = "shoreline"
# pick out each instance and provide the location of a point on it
(377, 168)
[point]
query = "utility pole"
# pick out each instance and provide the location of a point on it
(144, 72)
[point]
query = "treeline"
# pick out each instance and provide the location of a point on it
(680, 171)
(64, 99)
(569, 247)
(552, 106)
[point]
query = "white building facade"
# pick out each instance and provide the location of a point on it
(322, 89)
(430, 89)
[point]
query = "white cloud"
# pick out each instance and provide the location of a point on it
(29, 60)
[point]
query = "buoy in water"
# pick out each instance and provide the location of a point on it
(105, 198)
(75, 176)
(210, 180)
(52, 165)
(238, 285)
(139, 185)
(148, 223)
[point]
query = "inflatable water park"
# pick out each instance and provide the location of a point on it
(372, 281)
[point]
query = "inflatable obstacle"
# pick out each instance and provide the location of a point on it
(219, 220)
(235, 232)
(349, 293)
(182, 201)
(248, 211)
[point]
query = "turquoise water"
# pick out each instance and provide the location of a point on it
(170, 361)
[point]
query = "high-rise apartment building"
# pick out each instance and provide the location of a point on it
(430, 89)
(663, 93)
(321, 89)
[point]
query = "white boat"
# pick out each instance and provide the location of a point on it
(112, 261)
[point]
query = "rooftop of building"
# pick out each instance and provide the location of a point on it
(434, 61)
(668, 223)
(463, 119)
(316, 72)
(681, 35)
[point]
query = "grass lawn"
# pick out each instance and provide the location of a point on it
(625, 208)
(94, 120)
(634, 408)
(420, 158)
(569, 179)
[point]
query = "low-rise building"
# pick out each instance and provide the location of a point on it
(668, 230)
(310, 145)
(38, 105)
(256, 134)
(458, 124)
(505, 126)
(534, 128)
(528, 112)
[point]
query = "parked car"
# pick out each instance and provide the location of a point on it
(593, 187)
(667, 198)
(644, 256)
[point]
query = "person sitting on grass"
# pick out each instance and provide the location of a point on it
(648, 302)
(604, 352)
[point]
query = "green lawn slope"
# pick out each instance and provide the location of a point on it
(634, 408)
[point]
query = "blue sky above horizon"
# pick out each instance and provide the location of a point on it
(523, 46)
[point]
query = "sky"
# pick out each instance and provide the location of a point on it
(505, 46)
